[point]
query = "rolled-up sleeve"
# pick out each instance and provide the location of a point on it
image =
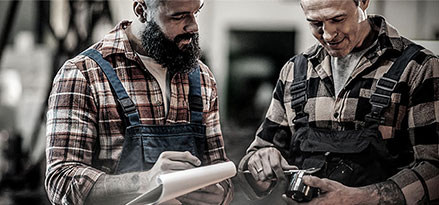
(423, 122)
(274, 131)
(71, 135)
(215, 141)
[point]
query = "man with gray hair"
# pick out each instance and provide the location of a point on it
(135, 105)
(358, 114)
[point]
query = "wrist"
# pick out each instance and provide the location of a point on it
(147, 181)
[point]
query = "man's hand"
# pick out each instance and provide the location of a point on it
(268, 164)
(167, 162)
(173, 161)
(333, 192)
(120, 189)
(213, 194)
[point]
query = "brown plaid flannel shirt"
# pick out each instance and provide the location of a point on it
(85, 130)
(414, 109)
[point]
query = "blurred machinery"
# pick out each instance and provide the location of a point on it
(59, 30)
(243, 48)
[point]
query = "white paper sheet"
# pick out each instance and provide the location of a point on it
(173, 185)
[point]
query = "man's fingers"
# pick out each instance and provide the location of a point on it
(267, 163)
(255, 167)
(214, 188)
(288, 200)
(172, 161)
(325, 185)
(176, 165)
(267, 172)
(194, 201)
(180, 156)
(276, 167)
(208, 195)
(254, 172)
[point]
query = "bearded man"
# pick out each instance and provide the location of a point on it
(135, 105)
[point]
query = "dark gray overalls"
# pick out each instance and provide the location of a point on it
(352, 157)
(144, 143)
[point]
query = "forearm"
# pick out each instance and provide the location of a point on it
(118, 189)
(419, 183)
(386, 192)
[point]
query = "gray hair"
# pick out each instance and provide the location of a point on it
(357, 2)
(152, 6)
(153, 3)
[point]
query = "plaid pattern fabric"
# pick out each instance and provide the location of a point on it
(413, 112)
(85, 131)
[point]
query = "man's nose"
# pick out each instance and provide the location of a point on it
(329, 32)
(192, 25)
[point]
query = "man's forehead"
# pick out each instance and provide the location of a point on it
(181, 5)
(166, 2)
(326, 8)
(317, 2)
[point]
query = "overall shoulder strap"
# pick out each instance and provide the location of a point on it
(129, 109)
(195, 100)
(385, 86)
(299, 87)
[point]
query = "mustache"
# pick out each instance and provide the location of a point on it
(166, 52)
(185, 36)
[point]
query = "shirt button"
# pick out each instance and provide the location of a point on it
(336, 115)
(158, 102)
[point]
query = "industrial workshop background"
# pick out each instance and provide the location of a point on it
(244, 42)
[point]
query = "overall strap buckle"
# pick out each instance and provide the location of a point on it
(385, 86)
(299, 88)
(381, 99)
(129, 109)
(299, 98)
(127, 105)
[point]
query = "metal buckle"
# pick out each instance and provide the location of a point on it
(380, 104)
(299, 100)
(386, 84)
(298, 94)
(127, 106)
(298, 87)
(376, 119)
(381, 84)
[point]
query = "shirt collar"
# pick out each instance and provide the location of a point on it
(116, 42)
(388, 36)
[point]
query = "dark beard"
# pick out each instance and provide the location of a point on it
(166, 52)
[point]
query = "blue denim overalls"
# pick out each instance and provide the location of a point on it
(352, 157)
(144, 143)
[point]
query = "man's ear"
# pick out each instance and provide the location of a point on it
(139, 10)
(364, 4)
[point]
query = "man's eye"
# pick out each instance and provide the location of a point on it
(178, 17)
(316, 24)
(338, 20)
